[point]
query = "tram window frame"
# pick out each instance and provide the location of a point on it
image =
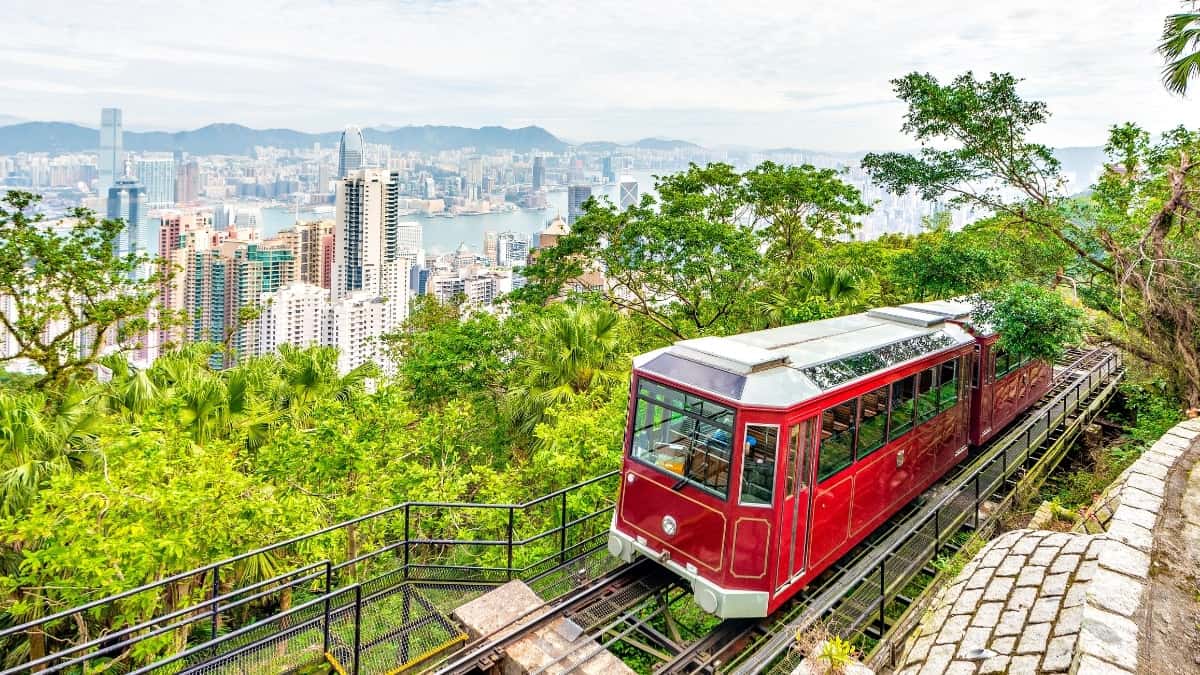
(657, 407)
(910, 403)
(764, 460)
(882, 439)
(942, 382)
(924, 414)
(1009, 364)
(824, 470)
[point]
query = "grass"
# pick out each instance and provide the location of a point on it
(951, 565)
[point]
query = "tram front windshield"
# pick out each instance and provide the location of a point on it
(684, 435)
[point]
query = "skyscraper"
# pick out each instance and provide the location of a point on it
(576, 196)
(156, 173)
(112, 155)
(539, 173)
(366, 230)
(606, 168)
(474, 177)
(127, 202)
(350, 152)
(628, 192)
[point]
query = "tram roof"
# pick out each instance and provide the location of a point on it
(784, 366)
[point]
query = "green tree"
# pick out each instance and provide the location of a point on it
(70, 293)
(945, 264)
(684, 265)
(1033, 322)
(799, 207)
(1136, 259)
(1180, 47)
(38, 442)
(442, 353)
(570, 351)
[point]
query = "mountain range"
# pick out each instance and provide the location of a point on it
(235, 139)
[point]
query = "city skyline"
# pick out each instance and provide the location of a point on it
(814, 77)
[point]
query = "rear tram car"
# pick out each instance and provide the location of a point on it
(753, 462)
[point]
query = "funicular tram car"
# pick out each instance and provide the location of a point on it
(753, 462)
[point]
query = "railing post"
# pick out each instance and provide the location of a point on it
(216, 609)
(510, 542)
(937, 531)
(882, 599)
(357, 625)
(562, 535)
(976, 514)
(328, 596)
(407, 538)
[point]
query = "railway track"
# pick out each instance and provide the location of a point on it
(855, 591)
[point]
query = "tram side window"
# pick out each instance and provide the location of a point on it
(902, 407)
(683, 435)
(1006, 363)
(948, 384)
(758, 464)
(837, 438)
(926, 394)
(873, 418)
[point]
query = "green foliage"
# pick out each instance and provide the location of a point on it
(685, 264)
(444, 354)
(1180, 47)
(837, 654)
(70, 292)
(1033, 322)
(947, 264)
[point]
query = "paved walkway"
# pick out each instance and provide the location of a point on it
(1034, 601)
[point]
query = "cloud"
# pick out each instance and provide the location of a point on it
(763, 72)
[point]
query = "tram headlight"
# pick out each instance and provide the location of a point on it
(669, 526)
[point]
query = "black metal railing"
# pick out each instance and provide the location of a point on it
(218, 610)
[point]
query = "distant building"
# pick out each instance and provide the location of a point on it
(187, 182)
(606, 169)
(576, 196)
(366, 230)
(539, 173)
(112, 152)
(350, 152)
(298, 314)
(628, 192)
(127, 202)
(512, 249)
(156, 173)
(310, 258)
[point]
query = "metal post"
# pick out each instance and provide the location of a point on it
(937, 531)
(562, 535)
(328, 596)
(976, 515)
(357, 625)
(882, 599)
(216, 609)
(510, 542)
(406, 539)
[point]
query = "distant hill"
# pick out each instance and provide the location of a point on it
(664, 144)
(598, 146)
(235, 139)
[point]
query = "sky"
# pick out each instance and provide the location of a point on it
(794, 73)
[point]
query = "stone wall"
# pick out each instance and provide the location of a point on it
(1037, 601)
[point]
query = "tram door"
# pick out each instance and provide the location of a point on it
(796, 506)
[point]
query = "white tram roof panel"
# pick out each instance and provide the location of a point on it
(784, 366)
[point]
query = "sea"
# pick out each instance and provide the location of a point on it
(443, 235)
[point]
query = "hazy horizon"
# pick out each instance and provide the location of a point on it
(717, 75)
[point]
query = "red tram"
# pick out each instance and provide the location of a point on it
(753, 462)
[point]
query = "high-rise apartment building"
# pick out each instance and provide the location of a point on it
(512, 249)
(350, 152)
(156, 173)
(310, 256)
(539, 173)
(112, 152)
(366, 230)
(187, 182)
(576, 196)
(127, 202)
(628, 192)
(297, 314)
